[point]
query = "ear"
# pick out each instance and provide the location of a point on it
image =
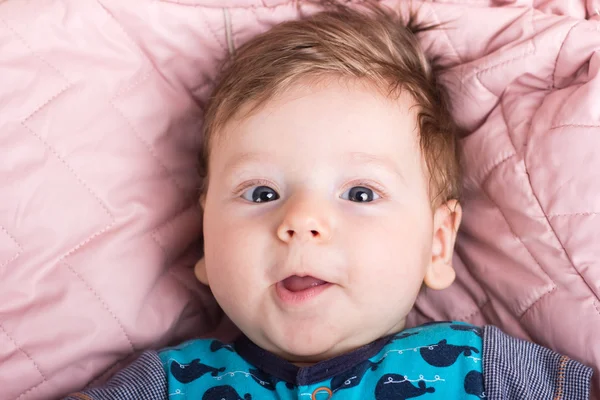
(446, 220)
(202, 200)
(200, 271)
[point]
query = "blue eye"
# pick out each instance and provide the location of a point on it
(360, 194)
(260, 194)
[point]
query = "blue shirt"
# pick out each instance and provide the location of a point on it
(433, 361)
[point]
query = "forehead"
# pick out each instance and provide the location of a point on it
(337, 118)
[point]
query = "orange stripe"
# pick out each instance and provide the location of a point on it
(81, 396)
(324, 389)
(560, 384)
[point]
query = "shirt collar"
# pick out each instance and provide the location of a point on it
(301, 376)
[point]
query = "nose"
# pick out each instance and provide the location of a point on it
(305, 219)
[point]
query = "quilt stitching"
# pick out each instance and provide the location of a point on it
(82, 183)
(13, 258)
(163, 247)
(71, 170)
(132, 86)
(585, 281)
(531, 306)
(539, 205)
(562, 45)
(35, 365)
(148, 147)
(571, 125)
(135, 132)
(502, 158)
(191, 3)
(532, 49)
(46, 144)
(516, 237)
(478, 310)
(137, 135)
(159, 243)
(213, 33)
(102, 302)
(575, 214)
(445, 32)
(547, 223)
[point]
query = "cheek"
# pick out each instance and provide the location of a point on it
(233, 250)
(393, 250)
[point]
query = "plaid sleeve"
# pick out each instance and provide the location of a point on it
(143, 379)
(517, 369)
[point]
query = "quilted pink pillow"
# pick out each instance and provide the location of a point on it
(98, 215)
(101, 104)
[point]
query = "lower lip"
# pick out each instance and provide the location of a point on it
(301, 296)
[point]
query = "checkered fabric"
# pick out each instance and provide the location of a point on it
(517, 369)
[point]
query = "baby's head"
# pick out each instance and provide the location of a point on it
(331, 178)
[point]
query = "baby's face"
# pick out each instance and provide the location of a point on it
(318, 225)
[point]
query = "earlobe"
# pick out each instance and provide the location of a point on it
(200, 271)
(440, 274)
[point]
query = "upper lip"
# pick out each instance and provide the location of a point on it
(303, 274)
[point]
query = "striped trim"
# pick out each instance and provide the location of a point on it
(560, 384)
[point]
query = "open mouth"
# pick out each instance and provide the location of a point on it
(297, 283)
(296, 289)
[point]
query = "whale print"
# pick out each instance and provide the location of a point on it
(444, 354)
(396, 387)
(474, 384)
(186, 373)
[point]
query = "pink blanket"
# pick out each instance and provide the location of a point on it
(101, 102)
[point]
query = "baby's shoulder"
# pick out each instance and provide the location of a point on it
(505, 366)
(197, 353)
(439, 337)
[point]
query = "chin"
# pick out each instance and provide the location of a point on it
(309, 348)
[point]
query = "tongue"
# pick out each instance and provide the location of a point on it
(298, 283)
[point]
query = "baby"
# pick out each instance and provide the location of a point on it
(331, 177)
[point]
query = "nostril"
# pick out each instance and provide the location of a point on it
(290, 233)
(314, 233)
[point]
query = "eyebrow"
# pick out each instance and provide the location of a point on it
(376, 161)
(356, 157)
(244, 158)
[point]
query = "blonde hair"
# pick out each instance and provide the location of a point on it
(369, 44)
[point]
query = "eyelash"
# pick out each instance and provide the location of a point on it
(368, 184)
(262, 182)
(256, 182)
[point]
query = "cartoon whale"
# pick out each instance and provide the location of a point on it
(395, 387)
(474, 384)
(186, 373)
(444, 354)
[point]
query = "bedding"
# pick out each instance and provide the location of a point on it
(101, 103)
